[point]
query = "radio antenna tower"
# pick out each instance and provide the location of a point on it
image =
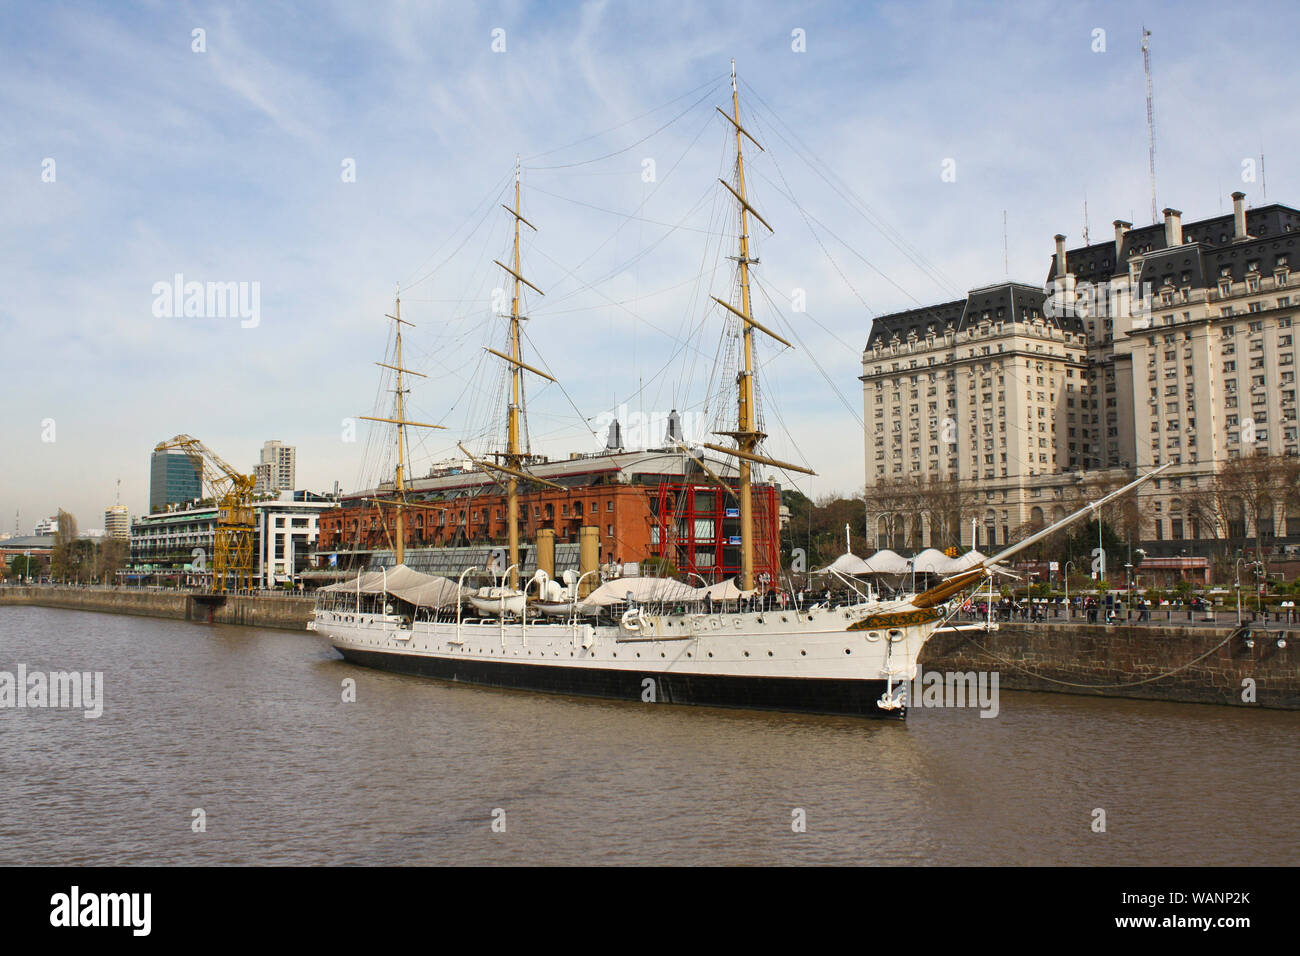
(1006, 261)
(1151, 119)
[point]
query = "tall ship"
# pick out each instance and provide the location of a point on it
(653, 639)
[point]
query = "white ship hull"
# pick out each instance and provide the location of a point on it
(852, 660)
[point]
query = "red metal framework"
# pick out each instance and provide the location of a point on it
(697, 528)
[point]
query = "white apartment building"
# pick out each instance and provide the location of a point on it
(117, 522)
(276, 468)
(1172, 342)
(182, 540)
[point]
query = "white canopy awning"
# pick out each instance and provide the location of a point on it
(888, 562)
(965, 561)
(848, 563)
(723, 591)
(929, 561)
(642, 590)
(422, 590)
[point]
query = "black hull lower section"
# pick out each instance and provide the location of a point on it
(854, 698)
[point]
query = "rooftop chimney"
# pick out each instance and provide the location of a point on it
(1060, 255)
(674, 434)
(1173, 227)
(1121, 227)
(1239, 216)
(615, 440)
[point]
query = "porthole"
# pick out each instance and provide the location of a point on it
(769, 653)
(803, 653)
(710, 653)
(784, 619)
(847, 651)
(746, 653)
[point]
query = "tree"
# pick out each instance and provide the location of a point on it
(889, 506)
(61, 555)
(110, 557)
(24, 565)
(1080, 544)
(1245, 496)
(948, 505)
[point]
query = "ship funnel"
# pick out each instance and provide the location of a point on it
(674, 428)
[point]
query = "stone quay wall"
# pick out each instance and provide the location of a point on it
(290, 612)
(1083, 659)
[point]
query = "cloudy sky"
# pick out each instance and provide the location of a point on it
(322, 154)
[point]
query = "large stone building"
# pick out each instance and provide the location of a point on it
(1172, 343)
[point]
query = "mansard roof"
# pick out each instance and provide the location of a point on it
(1002, 302)
(1267, 224)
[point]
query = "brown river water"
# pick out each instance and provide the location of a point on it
(249, 725)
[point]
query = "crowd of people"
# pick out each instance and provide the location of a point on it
(1089, 608)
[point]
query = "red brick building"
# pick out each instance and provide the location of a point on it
(648, 504)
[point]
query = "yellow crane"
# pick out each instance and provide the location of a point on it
(232, 551)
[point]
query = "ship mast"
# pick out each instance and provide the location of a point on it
(513, 449)
(747, 436)
(514, 454)
(402, 423)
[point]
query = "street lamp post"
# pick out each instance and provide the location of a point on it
(1068, 565)
(1259, 587)
(1239, 592)
(1101, 550)
(1128, 591)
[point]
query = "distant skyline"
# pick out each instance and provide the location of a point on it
(315, 156)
